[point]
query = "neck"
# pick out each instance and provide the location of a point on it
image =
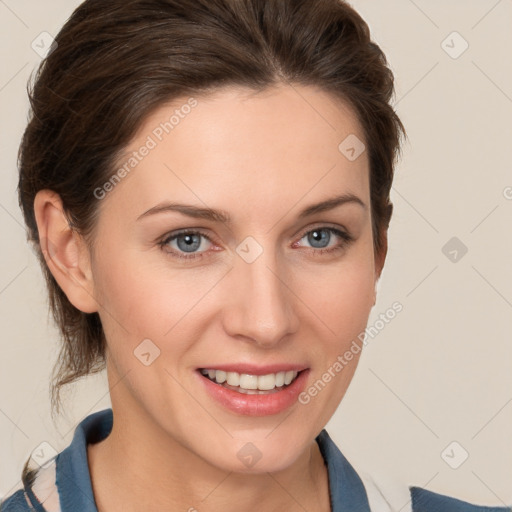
(140, 466)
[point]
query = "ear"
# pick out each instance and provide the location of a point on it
(65, 251)
(380, 258)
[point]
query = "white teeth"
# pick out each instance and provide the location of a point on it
(263, 382)
(219, 376)
(233, 379)
(248, 381)
(289, 376)
(251, 382)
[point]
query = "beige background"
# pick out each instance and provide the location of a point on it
(441, 370)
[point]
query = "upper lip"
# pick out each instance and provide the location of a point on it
(252, 369)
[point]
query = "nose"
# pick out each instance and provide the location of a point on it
(261, 307)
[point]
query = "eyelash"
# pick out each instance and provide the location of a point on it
(345, 240)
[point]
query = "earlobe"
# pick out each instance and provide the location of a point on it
(65, 251)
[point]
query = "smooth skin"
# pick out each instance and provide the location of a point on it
(262, 158)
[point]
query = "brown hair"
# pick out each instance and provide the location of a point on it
(115, 61)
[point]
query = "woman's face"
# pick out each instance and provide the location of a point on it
(275, 286)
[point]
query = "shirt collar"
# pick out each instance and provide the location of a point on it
(346, 489)
(73, 477)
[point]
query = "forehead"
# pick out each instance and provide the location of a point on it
(239, 147)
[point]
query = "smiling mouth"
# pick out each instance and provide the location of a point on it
(251, 384)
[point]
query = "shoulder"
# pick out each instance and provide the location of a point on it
(65, 477)
(391, 497)
(16, 502)
(38, 492)
(423, 500)
(418, 499)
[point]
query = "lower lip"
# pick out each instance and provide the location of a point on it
(256, 405)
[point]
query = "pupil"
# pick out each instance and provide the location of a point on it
(320, 235)
(190, 244)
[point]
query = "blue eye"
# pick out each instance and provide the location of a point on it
(188, 243)
(320, 242)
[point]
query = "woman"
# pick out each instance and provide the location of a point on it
(207, 184)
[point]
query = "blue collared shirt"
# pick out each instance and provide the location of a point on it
(63, 484)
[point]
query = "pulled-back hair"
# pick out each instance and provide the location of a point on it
(116, 61)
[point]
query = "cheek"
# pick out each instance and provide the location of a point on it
(142, 299)
(341, 296)
(341, 300)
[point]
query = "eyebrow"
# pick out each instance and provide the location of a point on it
(224, 217)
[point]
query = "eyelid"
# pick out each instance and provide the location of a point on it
(339, 231)
(343, 234)
(167, 238)
(189, 231)
(323, 225)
